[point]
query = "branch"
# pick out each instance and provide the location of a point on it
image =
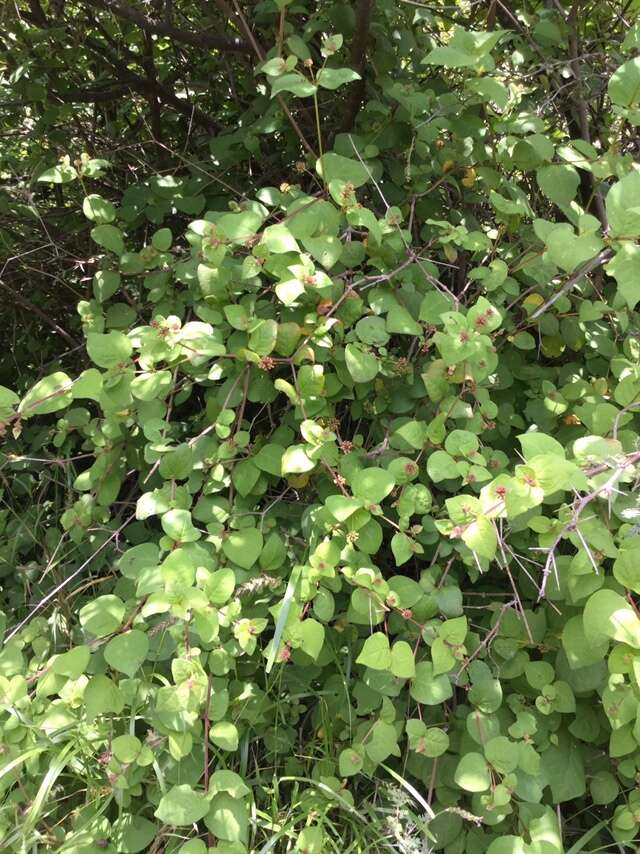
(29, 306)
(202, 40)
(358, 63)
(260, 54)
(587, 268)
(572, 525)
(151, 91)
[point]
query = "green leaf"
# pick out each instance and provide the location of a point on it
(162, 239)
(177, 464)
(480, 536)
(465, 49)
(98, 209)
(8, 400)
(126, 748)
(361, 363)
(559, 182)
(295, 460)
(220, 586)
(110, 349)
(177, 524)
(534, 444)
(105, 284)
(400, 322)
(502, 754)
(294, 83)
(102, 616)
(375, 653)
(73, 663)
(109, 237)
(350, 761)
(472, 773)
(623, 207)
(48, 395)
(429, 689)
(224, 735)
(568, 250)
(626, 568)
(63, 173)
(625, 269)
(126, 653)
(278, 239)
(402, 660)
(102, 697)
(372, 330)
(182, 806)
(404, 548)
(228, 819)
(132, 833)
(624, 84)
(311, 840)
(332, 166)
(243, 547)
(342, 507)
(309, 635)
(151, 386)
(608, 615)
(333, 78)
(372, 485)
(441, 466)
(263, 337)
(382, 742)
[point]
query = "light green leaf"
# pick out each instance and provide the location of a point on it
(608, 615)
(361, 363)
(278, 239)
(625, 268)
(110, 349)
(127, 652)
(182, 806)
(224, 735)
(295, 460)
(177, 524)
(350, 761)
(472, 773)
(243, 547)
(623, 207)
(559, 182)
(404, 548)
(402, 660)
(624, 85)
(375, 653)
(430, 689)
(332, 166)
(48, 395)
(372, 485)
(73, 663)
(333, 78)
(295, 83)
(102, 615)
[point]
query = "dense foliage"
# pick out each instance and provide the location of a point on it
(321, 378)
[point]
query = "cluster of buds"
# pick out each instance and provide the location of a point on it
(266, 363)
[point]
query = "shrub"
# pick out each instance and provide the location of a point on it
(351, 519)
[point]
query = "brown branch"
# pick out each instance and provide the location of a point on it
(202, 40)
(261, 55)
(149, 90)
(29, 306)
(359, 45)
(583, 271)
(583, 111)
